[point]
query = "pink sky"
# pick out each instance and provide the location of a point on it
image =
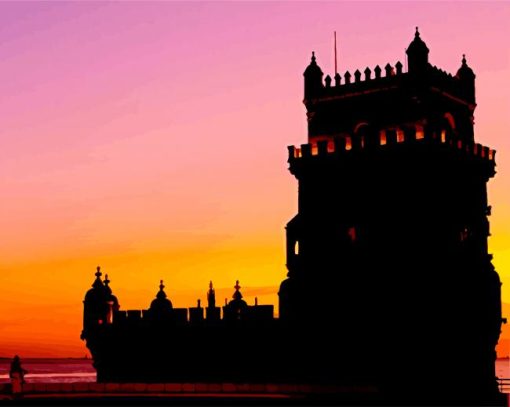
(150, 138)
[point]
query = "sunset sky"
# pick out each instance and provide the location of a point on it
(150, 138)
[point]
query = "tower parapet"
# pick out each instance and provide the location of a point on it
(383, 98)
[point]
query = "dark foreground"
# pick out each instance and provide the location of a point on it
(224, 400)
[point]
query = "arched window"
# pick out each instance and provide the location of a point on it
(450, 119)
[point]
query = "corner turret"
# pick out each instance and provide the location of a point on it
(95, 308)
(467, 77)
(313, 78)
(418, 55)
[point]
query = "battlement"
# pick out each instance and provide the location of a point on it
(185, 316)
(387, 141)
(390, 72)
(389, 77)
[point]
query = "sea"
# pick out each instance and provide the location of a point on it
(81, 370)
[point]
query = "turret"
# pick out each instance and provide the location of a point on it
(313, 79)
(95, 308)
(417, 55)
(467, 77)
(236, 308)
(212, 312)
(211, 296)
(161, 306)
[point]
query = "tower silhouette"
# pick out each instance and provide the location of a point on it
(387, 257)
(390, 292)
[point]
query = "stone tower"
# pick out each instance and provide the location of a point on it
(387, 257)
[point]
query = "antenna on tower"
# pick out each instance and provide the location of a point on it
(336, 68)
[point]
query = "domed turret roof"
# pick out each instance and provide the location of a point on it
(161, 303)
(313, 68)
(465, 71)
(417, 45)
(237, 297)
(98, 291)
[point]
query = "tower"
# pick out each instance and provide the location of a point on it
(389, 245)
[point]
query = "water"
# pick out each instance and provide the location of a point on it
(52, 370)
(81, 370)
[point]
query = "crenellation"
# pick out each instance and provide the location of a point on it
(387, 138)
(322, 147)
(377, 71)
(388, 69)
(338, 79)
(306, 150)
(398, 66)
(394, 75)
(357, 76)
(328, 81)
(368, 74)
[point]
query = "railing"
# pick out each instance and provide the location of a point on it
(504, 385)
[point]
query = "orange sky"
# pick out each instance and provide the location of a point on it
(150, 139)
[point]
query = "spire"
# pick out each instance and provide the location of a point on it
(106, 284)
(237, 294)
(211, 296)
(97, 282)
(161, 294)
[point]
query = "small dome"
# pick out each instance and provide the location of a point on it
(98, 291)
(465, 71)
(161, 303)
(417, 45)
(237, 301)
(313, 68)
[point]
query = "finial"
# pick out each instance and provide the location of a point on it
(106, 281)
(237, 286)
(210, 285)
(98, 272)
(313, 56)
(464, 59)
(417, 33)
(161, 285)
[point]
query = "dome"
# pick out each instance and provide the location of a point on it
(237, 301)
(465, 71)
(98, 291)
(161, 303)
(417, 45)
(313, 68)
